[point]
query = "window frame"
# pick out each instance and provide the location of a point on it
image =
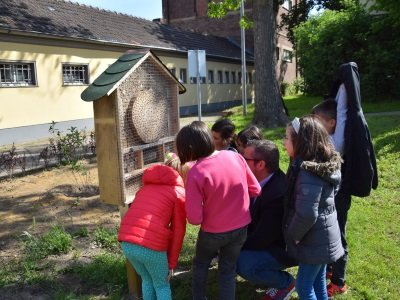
(220, 77)
(86, 75)
(250, 77)
(233, 75)
(287, 4)
(31, 81)
(210, 79)
(183, 75)
(227, 77)
(287, 55)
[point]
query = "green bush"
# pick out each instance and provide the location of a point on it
(332, 38)
(106, 238)
(54, 242)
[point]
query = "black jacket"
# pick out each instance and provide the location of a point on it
(265, 230)
(359, 171)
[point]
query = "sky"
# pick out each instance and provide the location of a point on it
(147, 9)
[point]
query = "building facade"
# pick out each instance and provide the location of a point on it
(192, 15)
(52, 50)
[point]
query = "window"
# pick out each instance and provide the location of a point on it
(233, 73)
(277, 53)
(17, 74)
(173, 71)
(210, 76)
(287, 4)
(75, 74)
(182, 76)
(287, 55)
(250, 77)
(220, 79)
(226, 77)
(240, 78)
(194, 80)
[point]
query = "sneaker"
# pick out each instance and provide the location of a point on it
(279, 294)
(334, 289)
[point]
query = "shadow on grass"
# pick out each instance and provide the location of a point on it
(182, 283)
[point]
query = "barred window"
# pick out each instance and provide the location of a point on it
(17, 74)
(75, 74)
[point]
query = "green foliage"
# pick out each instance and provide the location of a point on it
(294, 88)
(106, 270)
(106, 238)
(301, 12)
(332, 38)
(218, 10)
(56, 241)
(81, 232)
(392, 8)
(69, 147)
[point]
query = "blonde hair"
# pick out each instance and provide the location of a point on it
(173, 161)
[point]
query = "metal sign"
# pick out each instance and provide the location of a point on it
(197, 63)
(197, 69)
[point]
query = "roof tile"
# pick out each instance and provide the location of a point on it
(64, 18)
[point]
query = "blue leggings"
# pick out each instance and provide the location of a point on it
(311, 282)
(152, 266)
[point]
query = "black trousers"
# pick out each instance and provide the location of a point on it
(342, 203)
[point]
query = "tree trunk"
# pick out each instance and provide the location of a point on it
(268, 110)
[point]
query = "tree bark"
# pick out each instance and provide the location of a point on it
(268, 110)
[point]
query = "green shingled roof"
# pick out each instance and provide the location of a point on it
(109, 80)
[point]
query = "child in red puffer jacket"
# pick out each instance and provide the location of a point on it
(152, 230)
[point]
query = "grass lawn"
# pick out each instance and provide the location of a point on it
(373, 234)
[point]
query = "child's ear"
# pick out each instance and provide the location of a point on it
(332, 123)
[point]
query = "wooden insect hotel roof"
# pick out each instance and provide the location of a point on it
(115, 74)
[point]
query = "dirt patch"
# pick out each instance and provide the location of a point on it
(34, 203)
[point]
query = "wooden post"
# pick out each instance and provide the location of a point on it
(134, 281)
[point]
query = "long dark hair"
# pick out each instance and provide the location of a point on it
(312, 141)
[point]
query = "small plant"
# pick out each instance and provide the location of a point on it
(106, 238)
(69, 146)
(46, 155)
(81, 232)
(11, 159)
(54, 242)
(82, 176)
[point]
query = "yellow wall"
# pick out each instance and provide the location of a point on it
(210, 93)
(51, 101)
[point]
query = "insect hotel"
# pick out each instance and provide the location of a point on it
(136, 115)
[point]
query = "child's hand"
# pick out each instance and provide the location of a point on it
(170, 274)
(296, 242)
